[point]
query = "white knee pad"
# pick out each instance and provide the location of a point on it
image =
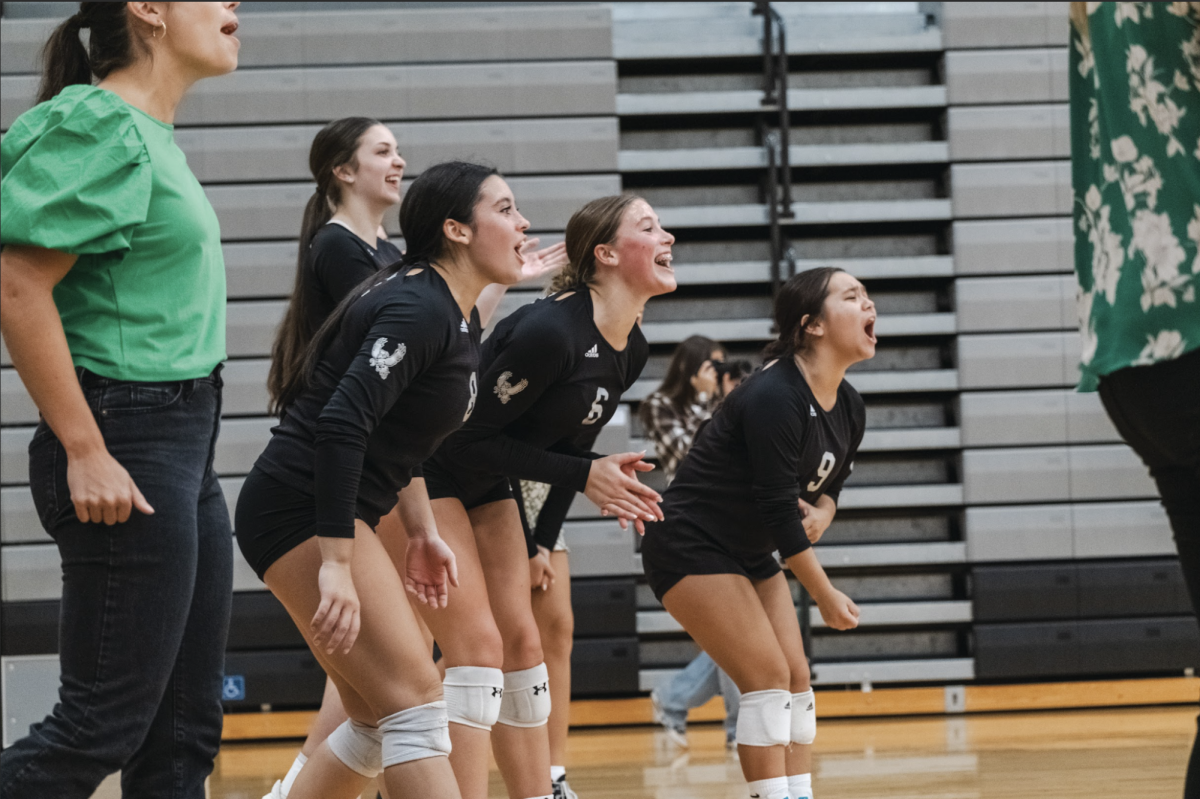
(415, 734)
(473, 695)
(526, 701)
(764, 718)
(358, 746)
(804, 717)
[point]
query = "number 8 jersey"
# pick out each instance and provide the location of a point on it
(769, 444)
(547, 377)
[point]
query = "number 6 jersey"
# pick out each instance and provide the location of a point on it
(769, 444)
(547, 377)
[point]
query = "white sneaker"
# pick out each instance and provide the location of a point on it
(276, 791)
(675, 734)
(562, 789)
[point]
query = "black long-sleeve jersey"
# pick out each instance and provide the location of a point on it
(547, 379)
(544, 530)
(399, 376)
(339, 260)
(769, 444)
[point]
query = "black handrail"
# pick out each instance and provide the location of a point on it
(776, 138)
(776, 143)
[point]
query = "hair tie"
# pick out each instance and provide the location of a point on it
(77, 21)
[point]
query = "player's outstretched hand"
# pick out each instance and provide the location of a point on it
(430, 570)
(540, 262)
(838, 610)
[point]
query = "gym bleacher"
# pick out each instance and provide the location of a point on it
(995, 527)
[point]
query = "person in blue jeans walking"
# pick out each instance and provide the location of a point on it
(113, 288)
(696, 379)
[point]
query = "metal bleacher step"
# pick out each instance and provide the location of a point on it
(874, 614)
(856, 556)
(898, 382)
(695, 30)
(807, 213)
(696, 274)
(629, 49)
(857, 672)
(898, 440)
(706, 158)
(750, 101)
(437, 33)
(933, 324)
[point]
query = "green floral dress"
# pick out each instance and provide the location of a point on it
(1135, 144)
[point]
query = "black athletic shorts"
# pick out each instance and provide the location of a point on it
(272, 519)
(670, 554)
(472, 489)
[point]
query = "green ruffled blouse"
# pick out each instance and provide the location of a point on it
(1135, 145)
(87, 173)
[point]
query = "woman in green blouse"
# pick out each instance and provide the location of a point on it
(113, 291)
(1135, 162)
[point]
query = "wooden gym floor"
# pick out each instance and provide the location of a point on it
(1127, 752)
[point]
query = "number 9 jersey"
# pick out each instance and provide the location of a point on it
(735, 495)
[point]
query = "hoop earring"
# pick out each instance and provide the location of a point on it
(164, 30)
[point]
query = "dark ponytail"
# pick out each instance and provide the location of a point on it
(445, 191)
(801, 296)
(333, 146)
(111, 46)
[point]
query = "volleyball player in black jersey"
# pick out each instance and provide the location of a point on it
(388, 376)
(764, 475)
(358, 170)
(550, 373)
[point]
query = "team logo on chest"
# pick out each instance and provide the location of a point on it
(597, 409)
(505, 390)
(382, 360)
(473, 385)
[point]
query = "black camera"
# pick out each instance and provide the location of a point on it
(736, 369)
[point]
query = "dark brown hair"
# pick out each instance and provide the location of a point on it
(592, 225)
(111, 46)
(803, 295)
(333, 146)
(685, 363)
(445, 191)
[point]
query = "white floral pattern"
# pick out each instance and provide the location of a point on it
(1087, 326)
(1108, 251)
(1166, 346)
(1135, 98)
(1149, 97)
(1154, 240)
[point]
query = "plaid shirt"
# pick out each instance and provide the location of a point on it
(671, 431)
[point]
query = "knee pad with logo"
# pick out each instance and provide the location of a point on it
(526, 701)
(764, 718)
(473, 695)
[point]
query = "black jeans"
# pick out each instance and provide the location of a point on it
(145, 604)
(1156, 409)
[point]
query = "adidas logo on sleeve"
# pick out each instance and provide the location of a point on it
(594, 352)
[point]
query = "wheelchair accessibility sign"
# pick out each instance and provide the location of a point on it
(233, 688)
